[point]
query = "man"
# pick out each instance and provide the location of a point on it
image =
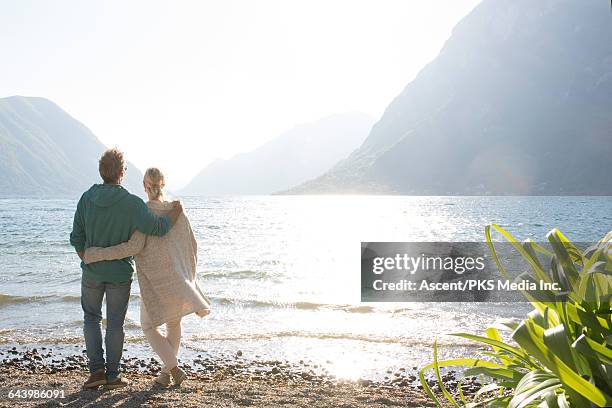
(106, 215)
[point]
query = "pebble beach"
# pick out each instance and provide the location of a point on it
(234, 381)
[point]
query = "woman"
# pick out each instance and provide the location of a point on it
(166, 268)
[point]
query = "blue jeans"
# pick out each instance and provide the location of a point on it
(117, 298)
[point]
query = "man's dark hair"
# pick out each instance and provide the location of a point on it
(112, 166)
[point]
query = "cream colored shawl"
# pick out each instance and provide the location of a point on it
(166, 268)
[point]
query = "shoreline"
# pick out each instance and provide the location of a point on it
(215, 382)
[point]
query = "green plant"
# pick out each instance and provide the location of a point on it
(561, 353)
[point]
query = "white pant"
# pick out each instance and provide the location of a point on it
(167, 346)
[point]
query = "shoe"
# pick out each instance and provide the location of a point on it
(96, 379)
(118, 383)
(163, 379)
(178, 375)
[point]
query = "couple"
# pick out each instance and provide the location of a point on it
(110, 226)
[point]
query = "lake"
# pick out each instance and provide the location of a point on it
(283, 274)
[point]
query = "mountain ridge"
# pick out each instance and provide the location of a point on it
(516, 102)
(294, 156)
(48, 153)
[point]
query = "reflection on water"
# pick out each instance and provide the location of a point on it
(284, 273)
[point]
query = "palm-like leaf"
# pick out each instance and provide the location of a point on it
(563, 352)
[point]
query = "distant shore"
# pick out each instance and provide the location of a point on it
(215, 383)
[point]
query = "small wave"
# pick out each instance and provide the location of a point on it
(11, 299)
(131, 324)
(446, 341)
(304, 305)
(359, 309)
(52, 209)
(284, 334)
(200, 341)
(43, 252)
(264, 303)
(300, 305)
(128, 324)
(70, 298)
(242, 274)
(29, 338)
(77, 298)
(318, 306)
(240, 302)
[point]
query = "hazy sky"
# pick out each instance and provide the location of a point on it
(178, 83)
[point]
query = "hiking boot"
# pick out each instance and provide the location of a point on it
(96, 379)
(118, 383)
(178, 375)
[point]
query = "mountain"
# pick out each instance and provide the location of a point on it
(519, 101)
(295, 156)
(45, 152)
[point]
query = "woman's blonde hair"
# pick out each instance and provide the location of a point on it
(154, 183)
